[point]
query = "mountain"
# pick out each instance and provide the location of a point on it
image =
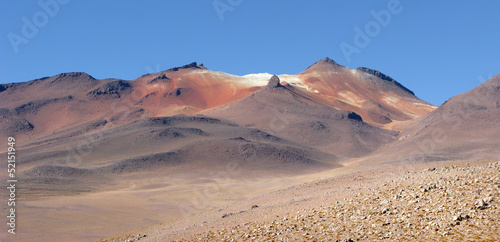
(292, 113)
(167, 145)
(41, 107)
(193, 119)
(47, 105)
(463, 128)
(376, 97)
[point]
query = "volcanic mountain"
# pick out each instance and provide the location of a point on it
(294, 114)
(376, 97)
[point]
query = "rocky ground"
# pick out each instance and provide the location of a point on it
(439, 203)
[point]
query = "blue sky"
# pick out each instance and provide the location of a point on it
(435, 48)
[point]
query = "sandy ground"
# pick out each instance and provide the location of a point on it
(136, 204)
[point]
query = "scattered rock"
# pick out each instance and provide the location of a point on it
(458, 218)
(480, 204)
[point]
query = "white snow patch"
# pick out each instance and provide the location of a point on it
(259, 79)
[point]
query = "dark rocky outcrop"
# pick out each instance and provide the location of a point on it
(160, 78)
(177, 92)
(274, 82)
(73, 75)
(171, 120)
(15, 125)
(177, 132)
(112, 89)
(240, 139)
(143, 163)
(354, 116)
(384, 77)
(192, 65)
(33, 106)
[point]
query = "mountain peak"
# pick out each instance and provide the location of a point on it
(274, 82)
(74, 75)
(484, 96)
(491, 85)
(325, 62)
(192, 65)
(328, 60)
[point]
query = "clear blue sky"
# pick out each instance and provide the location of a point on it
(435, 48)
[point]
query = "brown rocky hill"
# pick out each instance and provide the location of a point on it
(376, 97)
(464, 127)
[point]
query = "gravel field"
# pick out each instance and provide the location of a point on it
(439, 203)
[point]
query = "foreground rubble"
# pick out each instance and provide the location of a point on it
(449, 203)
